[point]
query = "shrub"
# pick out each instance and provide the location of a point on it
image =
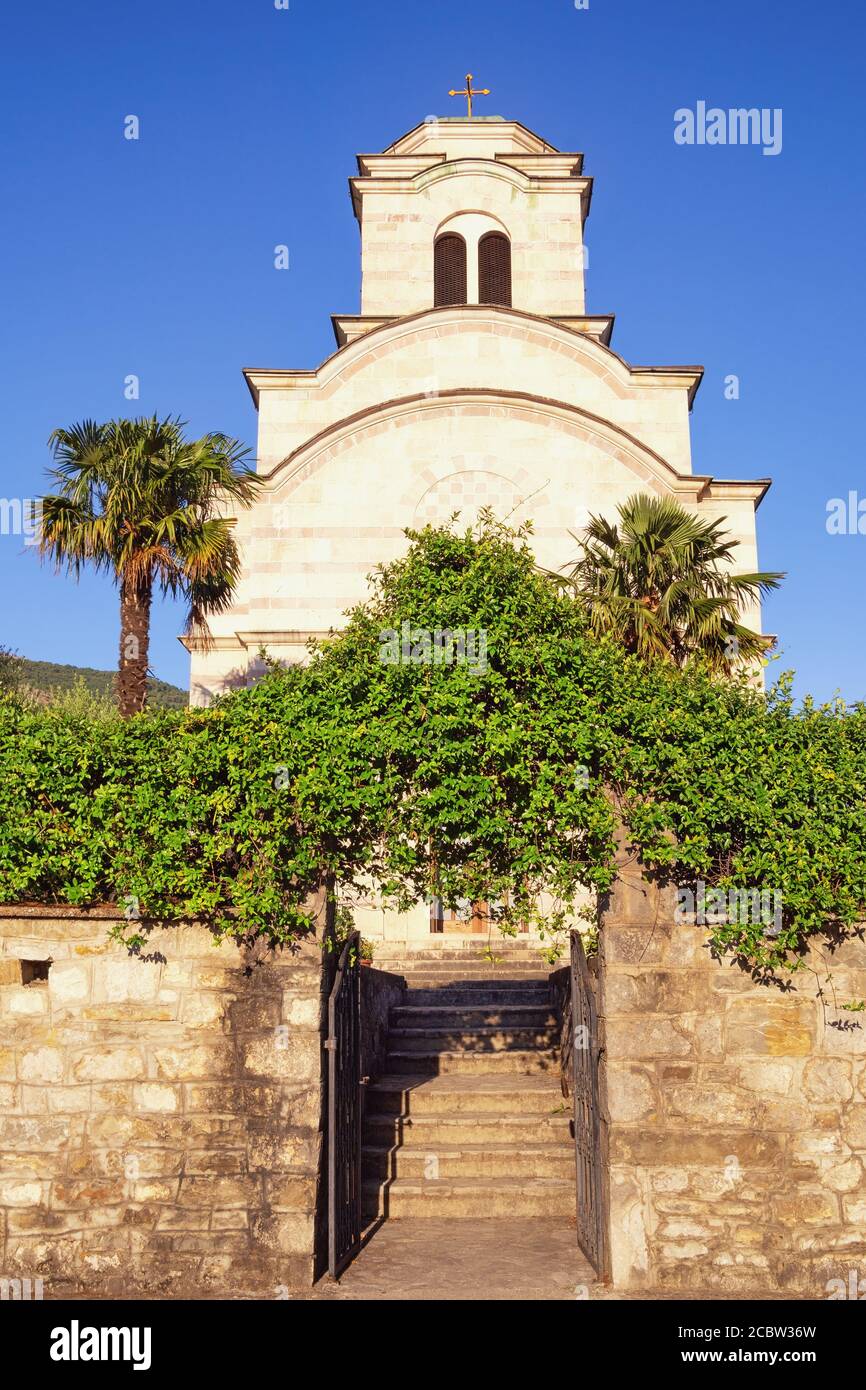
(497, 780)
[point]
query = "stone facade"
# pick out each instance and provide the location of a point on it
(161, 1120)
(737, 1112)
(428, 181)
(424, 411)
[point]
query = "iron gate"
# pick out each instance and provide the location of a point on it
(592, 1214)
(344, 1109)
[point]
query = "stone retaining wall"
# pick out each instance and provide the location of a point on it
(737, 1111)
(380, 992)
(160, 1117)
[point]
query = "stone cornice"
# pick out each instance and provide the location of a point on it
(349, 327)
(527, 140)
(393, 166)
(259, 379)
(396, 166)
(417, 183)
(247, 641)
(735, 490)
(598, 326)
(208, 644)
(544, 165)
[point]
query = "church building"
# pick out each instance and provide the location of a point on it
(472, 377)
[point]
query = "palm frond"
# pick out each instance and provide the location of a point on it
(661, 582)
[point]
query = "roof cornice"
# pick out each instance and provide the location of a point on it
(405, 182)
(281, 378)
(531, 141)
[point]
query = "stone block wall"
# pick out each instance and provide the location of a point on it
(380, 992)
(160, 1116)
(737, 1112)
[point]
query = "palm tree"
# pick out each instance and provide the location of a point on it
(660, 583)
(137, 499)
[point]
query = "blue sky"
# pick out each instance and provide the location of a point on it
(155, 257)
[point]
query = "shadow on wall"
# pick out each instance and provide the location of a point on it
(201, 696)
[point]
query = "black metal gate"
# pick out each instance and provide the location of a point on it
(344, 1110)
(592, 1212)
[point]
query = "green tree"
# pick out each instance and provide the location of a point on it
(10, 669)
(138, 500)
(660, 583)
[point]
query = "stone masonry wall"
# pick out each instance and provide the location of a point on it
(160, 1117)
(381, 991)
(737, 1111)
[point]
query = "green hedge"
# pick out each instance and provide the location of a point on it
(494, 781)
(171, 814)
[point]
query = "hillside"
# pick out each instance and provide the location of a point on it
(50, 675)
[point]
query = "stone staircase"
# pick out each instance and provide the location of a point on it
(469, 1120)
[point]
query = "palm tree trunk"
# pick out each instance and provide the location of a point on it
(134, 647)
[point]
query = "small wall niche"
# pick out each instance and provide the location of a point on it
(35, 972)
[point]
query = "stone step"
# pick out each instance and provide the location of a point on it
(438, 1063)
(482, 1014)
(478, 984)
(477, 954)
(450, 1095)
(395, 955)
(473, 1041)
(454, 1130)
(473, 995)
(471, 1197)
(475, 1160)
(500, 966)
(506, 982)
(469, 977)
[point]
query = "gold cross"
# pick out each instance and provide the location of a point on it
(469, 94)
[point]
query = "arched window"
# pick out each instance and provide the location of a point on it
(449, 276)
(494, 269)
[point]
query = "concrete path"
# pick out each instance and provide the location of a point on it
(501, 1258)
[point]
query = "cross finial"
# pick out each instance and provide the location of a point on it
(469, 94)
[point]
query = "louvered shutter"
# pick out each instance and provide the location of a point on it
(450, 270)
(494, 269)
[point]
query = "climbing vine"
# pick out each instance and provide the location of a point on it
(463, 736)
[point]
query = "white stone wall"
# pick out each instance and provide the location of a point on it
(495, 349)
(544, 226)
(448, 169)
(333, 513)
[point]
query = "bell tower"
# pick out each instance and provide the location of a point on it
(472, 210)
